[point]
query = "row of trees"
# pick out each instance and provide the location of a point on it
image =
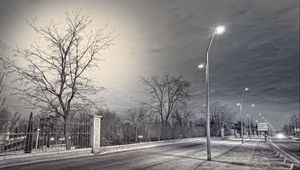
(292, 127)
(141, 124)
(53, 76)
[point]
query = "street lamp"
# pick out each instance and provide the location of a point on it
(241, 110)
(218, 30)
(201, 66)
(252, 105)
(249, 124)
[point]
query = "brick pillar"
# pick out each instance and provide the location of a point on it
(95, 124)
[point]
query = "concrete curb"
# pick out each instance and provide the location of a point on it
(22, 159)
(120, 148)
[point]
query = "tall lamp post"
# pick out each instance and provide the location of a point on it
(250, 128)
(241, 113)
(218, 30)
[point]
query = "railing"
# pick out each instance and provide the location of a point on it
(45, 136)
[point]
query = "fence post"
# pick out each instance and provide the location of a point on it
(28, 140)
(95, 124)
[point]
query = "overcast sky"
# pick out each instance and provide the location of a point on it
(259, 50)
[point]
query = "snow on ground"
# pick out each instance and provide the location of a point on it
(250, 155)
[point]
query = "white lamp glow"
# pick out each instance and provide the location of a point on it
(220, 29)
(201, 66)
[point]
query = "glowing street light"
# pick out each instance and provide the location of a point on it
(218, 30)
(201, 66)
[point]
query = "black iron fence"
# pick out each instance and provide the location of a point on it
(44, 135)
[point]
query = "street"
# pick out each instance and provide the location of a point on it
(289, 145)
(229, 154)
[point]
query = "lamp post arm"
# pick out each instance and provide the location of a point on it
(208, 48)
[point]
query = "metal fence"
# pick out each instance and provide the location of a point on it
(45, 135)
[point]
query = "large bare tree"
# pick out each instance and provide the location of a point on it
(52, 72)
(167, 93)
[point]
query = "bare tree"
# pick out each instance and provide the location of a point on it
(137, 117)
(294, 122)
(111, 127)
(167, 92)
(286, 129)
(221, 116)
(53, 73)
(182, 118)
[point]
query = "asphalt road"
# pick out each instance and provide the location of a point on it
(188, 155)
(289, 145)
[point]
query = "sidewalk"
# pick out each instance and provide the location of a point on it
(252, 155)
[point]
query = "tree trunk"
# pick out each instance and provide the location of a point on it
(182, 129)
(67, 132)
(162, 131)
(136, 135)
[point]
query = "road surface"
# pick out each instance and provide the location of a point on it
(289, 145)
(230, 154)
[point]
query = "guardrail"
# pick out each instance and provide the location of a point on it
(280, 152)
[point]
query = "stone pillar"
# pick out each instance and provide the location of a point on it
(95, 124)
